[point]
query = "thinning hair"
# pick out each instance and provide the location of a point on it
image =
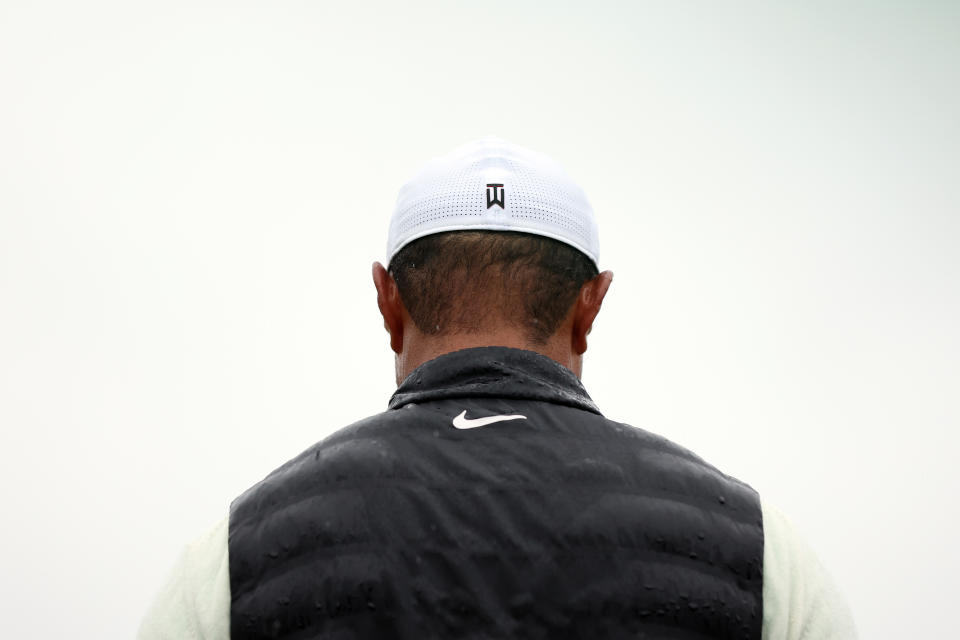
(471, 281)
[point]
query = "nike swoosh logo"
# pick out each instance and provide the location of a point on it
(463, 422)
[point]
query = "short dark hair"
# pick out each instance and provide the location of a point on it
(462, 281)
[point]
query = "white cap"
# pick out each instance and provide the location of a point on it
(494, 185)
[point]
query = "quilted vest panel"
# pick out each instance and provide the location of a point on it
(562, 524)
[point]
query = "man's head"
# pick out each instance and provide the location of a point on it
(464, 282)
(490, 245)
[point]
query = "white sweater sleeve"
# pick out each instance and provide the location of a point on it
(800, 600)
(194, 604)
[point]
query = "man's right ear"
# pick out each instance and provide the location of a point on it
(587, 307)
(390, 304)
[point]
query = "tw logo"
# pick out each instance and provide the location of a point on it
(495, 195)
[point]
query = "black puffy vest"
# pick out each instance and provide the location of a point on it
(561, 524)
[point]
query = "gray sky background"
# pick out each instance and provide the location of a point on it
(192, 193)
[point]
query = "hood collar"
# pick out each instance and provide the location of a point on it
(500, 372)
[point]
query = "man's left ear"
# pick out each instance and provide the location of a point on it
(390, 305)
(587, 307)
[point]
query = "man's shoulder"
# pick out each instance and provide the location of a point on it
(365, 428)
(672, 449)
